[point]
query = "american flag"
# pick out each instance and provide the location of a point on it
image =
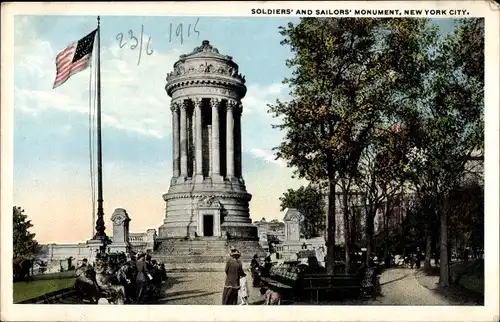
(74, 58)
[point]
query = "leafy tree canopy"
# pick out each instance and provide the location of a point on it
(25, 245)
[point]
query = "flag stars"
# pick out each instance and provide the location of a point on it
(71, 61)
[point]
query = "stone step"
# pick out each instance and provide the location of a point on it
(203, 253)
(193, 253)
(192, 259)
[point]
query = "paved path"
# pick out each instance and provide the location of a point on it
(399, 287)
(200, 288)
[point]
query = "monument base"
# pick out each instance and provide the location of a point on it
(120, 248)
(94, 246)
(203, 253)
(207, 208)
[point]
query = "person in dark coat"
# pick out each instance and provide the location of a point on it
(143, 278)
(418, 258)
(267, 267)
(234, 270)
(163, 272)
(254, 266)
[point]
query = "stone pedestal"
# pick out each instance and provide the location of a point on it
(94, 246)
(150, 239)
(292, 220)
(121, 243)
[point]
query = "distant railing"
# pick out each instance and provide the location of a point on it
(136, 238)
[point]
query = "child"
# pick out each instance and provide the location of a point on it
(243, 291)
(270, 297)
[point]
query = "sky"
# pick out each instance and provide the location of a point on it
(51, 126)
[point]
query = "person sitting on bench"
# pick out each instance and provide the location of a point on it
(271, 297)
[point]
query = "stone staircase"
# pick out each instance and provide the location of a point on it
(202, 253)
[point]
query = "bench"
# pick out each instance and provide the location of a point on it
(275, 284)
(315, 283)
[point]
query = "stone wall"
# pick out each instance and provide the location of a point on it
(53, 252)
(56, 256)
(289, 249)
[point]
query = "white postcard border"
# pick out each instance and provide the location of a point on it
(488, 312)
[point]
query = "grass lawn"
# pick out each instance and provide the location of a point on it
(31, 289)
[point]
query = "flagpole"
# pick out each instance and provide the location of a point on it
(100, 227)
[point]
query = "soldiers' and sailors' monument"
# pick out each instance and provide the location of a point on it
(207, 198)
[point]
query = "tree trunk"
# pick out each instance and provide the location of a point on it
(430, 239)
(444, 274)
(330, 241)
(353, 226)
(386, 235)
(434, 246)
(369, 234)
(347, 232)
(428, 251)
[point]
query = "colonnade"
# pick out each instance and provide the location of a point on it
(206, 138)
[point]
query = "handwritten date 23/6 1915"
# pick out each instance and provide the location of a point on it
(175, 32)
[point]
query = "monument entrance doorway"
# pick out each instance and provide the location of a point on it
(208, 225)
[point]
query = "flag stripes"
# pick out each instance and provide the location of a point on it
(74, 58)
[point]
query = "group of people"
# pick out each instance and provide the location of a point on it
(121, 280)
(236, 286)
(412, 260)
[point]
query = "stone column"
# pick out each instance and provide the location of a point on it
(198, 140)
(175, 129)
(237, 132)
(184, 147)
(230, 139)
(192, 143)
(217, 223)
(209, 135)
(199, 226)
(214, 102)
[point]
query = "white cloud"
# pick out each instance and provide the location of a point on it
(133, 97)
(267, 156)
(258, 96)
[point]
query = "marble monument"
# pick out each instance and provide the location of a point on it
(207, 195)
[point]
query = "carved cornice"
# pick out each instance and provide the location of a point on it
(206, 89)
(120, 216)
(209, 202)
(187, 82)
(204, 70)
(244, 196)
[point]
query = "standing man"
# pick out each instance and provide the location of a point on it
(143, 278)
(234, 270)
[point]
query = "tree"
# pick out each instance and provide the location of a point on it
(337, 83)
(310, 202)
(25, 245)
(451, 119)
